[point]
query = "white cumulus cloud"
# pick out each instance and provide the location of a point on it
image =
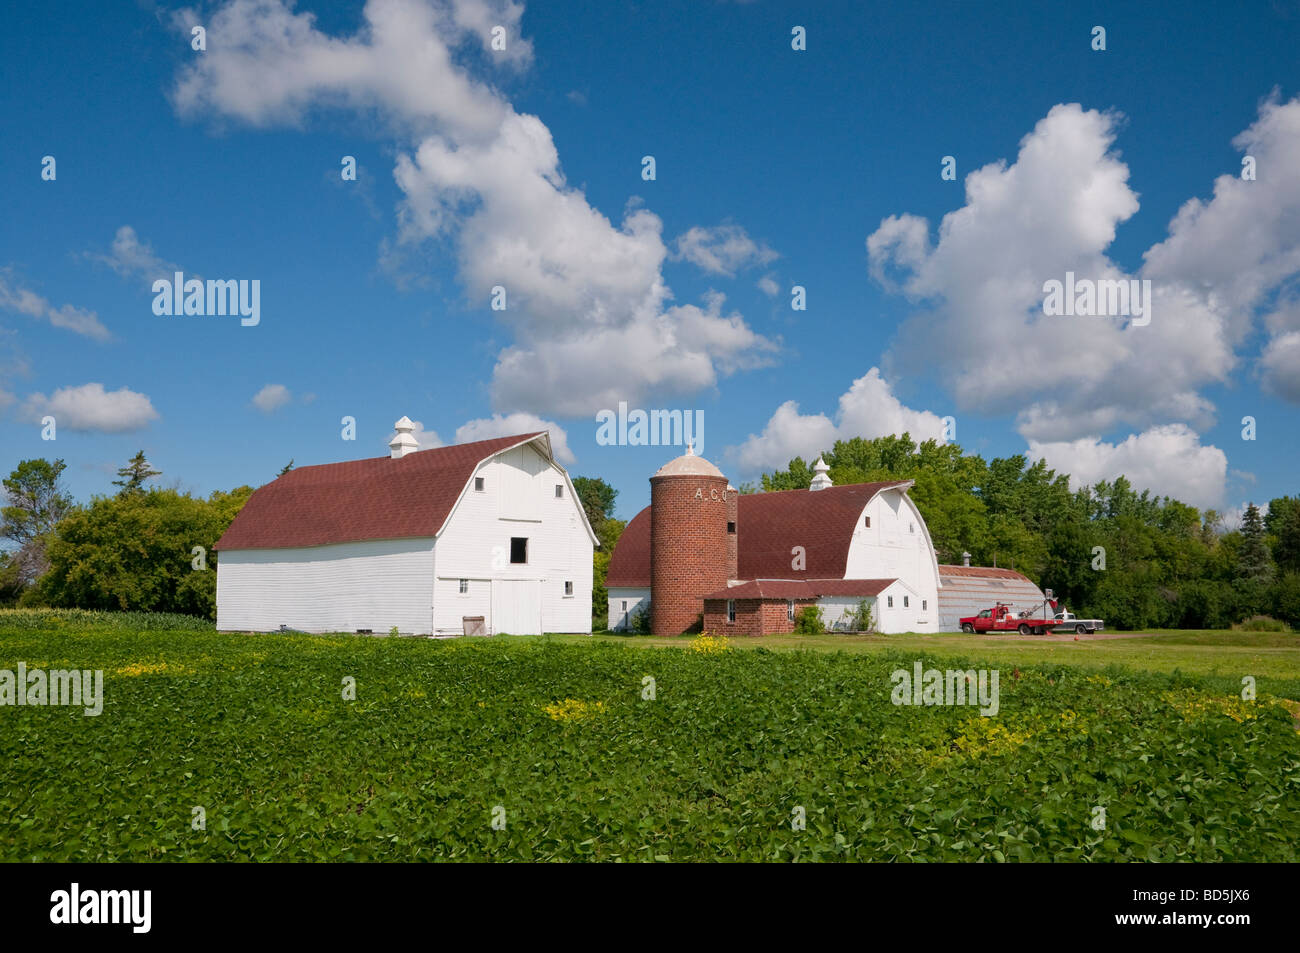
(1168, 460)
(89, 407)
(509, 425)
(723, 250)
(978, 283)
(867, 409)
(489, 179)
(271, 398)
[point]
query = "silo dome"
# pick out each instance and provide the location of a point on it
(689, 464)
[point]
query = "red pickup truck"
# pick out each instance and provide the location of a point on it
(1002, 618)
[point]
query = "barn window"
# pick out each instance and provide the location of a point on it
(464, 587)
(889, 601)
(904, 602)
(519, 549)
(925, 604)
(568, 588)
(731, 527)
(559, 491)
(911, 527)
(478, 484)
(731, 610)
(789, 609)
(624, 605)
(866, 521)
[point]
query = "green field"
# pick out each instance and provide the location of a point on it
(1226, 655)
(553, 736)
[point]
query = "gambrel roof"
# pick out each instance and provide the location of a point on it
(378, 498)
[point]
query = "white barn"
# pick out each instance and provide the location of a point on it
(830, 546)
(833, 546)
(420, 541)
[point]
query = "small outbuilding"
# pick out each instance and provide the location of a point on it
(968, 590)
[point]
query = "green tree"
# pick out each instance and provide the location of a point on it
(1283, 524)
(1254, 562)
(597, 500)
(596, 497)
(34, 504)
(137, 552)
(134, 474)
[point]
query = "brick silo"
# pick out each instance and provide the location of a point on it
(688, 541)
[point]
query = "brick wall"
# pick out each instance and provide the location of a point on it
(733, 550)
(753, 616)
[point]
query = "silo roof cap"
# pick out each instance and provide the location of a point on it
(689, 464)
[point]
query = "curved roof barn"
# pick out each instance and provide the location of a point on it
(767, 526)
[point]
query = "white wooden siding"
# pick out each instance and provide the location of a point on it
(905, 618)
(897, 546)
(618, 619)
(475, 544)
(835, 608)
(343, 587)
(414, 584)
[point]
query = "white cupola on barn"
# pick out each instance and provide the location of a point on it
(403, 442)
(820, 480)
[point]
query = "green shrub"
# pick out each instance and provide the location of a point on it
(95, 620)
(1262, 623)
(809, 621)
(639, 621)
(863, 618)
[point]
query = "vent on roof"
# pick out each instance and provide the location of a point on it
(821, 480)
(403, 442)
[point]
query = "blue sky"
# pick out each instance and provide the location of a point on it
(774, 167)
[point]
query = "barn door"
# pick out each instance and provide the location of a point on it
(517, 606)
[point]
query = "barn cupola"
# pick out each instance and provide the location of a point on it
(403, 442)
(821, 480)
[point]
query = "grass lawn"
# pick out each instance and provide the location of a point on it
(574, 748)
(1272, 658)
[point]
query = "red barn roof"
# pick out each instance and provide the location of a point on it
(378, 498)
(768, 526)
(803, 588)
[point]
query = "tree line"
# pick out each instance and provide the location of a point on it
(1136, 560)
(143, 548)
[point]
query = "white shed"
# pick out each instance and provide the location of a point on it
(420, 541)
